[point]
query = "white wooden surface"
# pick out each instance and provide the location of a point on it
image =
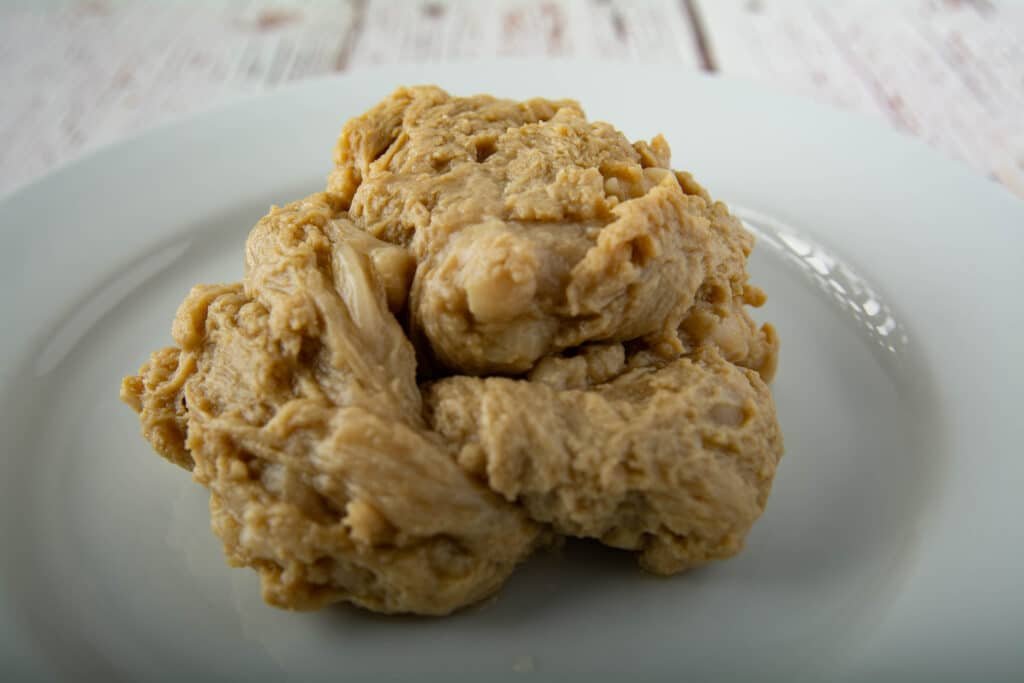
(80, 73)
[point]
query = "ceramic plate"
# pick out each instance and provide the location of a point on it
(892, 544)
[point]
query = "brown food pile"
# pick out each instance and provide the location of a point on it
(501, 322)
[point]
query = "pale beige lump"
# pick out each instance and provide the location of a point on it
(500, 324)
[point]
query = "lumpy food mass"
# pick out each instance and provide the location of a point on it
(499, 324)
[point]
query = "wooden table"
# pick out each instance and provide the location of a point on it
(80, 74)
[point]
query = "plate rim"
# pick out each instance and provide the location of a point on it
(991, 193)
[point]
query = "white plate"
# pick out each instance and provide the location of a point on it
(892, 544)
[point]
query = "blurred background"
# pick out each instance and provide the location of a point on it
(81, 73)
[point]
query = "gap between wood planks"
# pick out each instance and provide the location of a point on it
(700, 36)
(81, 73)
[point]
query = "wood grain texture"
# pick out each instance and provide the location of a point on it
(951, 73)
(83, 73)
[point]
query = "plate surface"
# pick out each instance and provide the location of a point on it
(891, 545)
